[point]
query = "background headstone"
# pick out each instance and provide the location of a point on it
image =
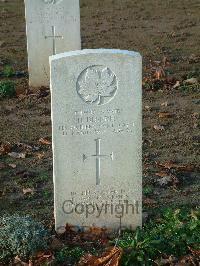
(52, 26)
(97, 138)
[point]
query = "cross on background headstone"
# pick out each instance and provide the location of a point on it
(98, 156)
(54, 38)
(64, 16)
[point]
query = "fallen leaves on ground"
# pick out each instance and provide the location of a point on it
(25, 174)
(165, 115)
(44, 258)
(195, 115)
(172, 165)
(150, 202)
(43, 92)
(12, 165)
(191, 81)
(176, 85)
(189, 260)
(28, 191)
(195, 252)
(56, 243)
(2, 166)
(165, 104)
(147, 107)
(165, 261)
(19, 262)
(27, 147)
(40, 155)
(96, 235)
(18, 150)
(44, 141)
(17, 155)
(159, 73)
(111, 257)
(192, 259)
(5, 148)
(158, 127)
(166, 179)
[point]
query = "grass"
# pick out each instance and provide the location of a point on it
(148, 190)
(172, 234)
(70, 255)
(186, 88)
(7, 89)
(8, 71)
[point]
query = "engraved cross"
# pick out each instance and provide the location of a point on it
(98, 157)
(54, 37)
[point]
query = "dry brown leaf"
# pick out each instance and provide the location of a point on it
(187, 260)
(195, 115)
(5, 148)
(161, 174)
(147, 107)
(111, 257)
(195, 252)
(17, 155)
(158, 127)
(97, 233)
(27, 147)
(19, 262)
(170, 165)
(191, 81)
(44, 141)
(97, 230)
(164, 181)
(159, 73)
(44, 258)
(165, 104)
(28, 191)
(12, 165)
(150, 202)
(2, 166)
(40, 155)
(56, 244)
(165, 115)
(176, 85)
(165, 261)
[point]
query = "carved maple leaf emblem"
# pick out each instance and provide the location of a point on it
(96, 84)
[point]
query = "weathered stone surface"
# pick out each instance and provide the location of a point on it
(97, 138)
(53, 26)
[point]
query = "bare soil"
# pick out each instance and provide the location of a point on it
(166, 34)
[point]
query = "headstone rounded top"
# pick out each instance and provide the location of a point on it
(97, 85)
(100, 51)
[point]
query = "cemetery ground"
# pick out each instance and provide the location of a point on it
(166, 34)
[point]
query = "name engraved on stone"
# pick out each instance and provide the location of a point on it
(98, 157)
(97, 85)
(54, 37)
(88, 122)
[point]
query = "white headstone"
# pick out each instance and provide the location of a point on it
(52, 26)
(97, 138)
